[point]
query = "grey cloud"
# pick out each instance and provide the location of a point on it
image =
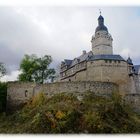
(17, 37)
(10, 58)
(63, 32)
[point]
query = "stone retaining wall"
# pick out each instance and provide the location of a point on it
(19, 93)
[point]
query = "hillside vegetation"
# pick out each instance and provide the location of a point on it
(3, 93)
(66, 114)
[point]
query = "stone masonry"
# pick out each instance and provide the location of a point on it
(19, 93)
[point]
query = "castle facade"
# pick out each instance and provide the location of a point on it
(98, 71)
(100, 64)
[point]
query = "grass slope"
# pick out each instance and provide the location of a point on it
(66, 114)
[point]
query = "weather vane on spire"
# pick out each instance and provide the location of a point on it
(100, 11)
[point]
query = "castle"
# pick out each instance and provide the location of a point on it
(101, 64)
(99, 71)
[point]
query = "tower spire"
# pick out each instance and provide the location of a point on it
(100, 11)
(101, 25)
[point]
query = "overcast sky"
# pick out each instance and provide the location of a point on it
(64, 32)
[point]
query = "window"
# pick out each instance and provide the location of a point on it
(26, 91)
(105, 61)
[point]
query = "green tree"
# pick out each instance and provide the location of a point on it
(2, 70)
(36, 69)
(3, 94)
(3, 89)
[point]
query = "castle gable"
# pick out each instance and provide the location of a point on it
(67, 62)
(79, 59)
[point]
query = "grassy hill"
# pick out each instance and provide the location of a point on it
(66, 114)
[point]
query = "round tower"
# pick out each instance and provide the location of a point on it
(102, 40)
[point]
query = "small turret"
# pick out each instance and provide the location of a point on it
(130, 66)
(129, 61)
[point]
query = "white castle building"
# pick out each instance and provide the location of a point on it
(100, 64)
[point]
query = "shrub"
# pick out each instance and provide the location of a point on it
(3, 94)
(64, 113)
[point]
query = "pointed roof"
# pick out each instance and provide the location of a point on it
(101, 26)
(129, 61)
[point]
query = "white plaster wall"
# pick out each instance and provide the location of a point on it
(102, 49)
(102, 43)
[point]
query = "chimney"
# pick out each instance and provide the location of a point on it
(84, 52)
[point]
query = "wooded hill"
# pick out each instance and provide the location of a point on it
(64, 113)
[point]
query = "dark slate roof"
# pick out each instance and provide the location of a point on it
(67, 62)
(101, 26)
(136, 67)
(106, 57)
(100, 17)
(90, 57)
(82, 58)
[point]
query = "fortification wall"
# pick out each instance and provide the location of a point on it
(133, 100)
(132, 96)
(109, 71)
(19, 93)
(77, 87)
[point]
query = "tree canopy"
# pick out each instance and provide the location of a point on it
(2, 70)
(3, 94)
(36, 69)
